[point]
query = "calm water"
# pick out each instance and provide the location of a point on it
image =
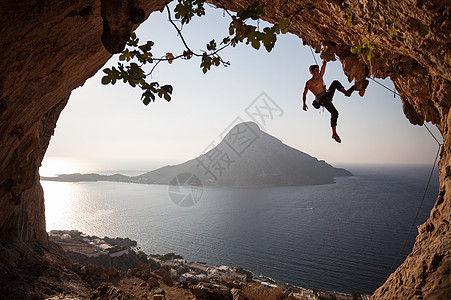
(340, 237)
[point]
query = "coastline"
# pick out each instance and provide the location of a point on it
(88, 251)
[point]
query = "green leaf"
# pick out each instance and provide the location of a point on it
(231, 28)
(185, 10)
(216, 61)
(187, 54)
(167, 88)
(349, 22)
(393, 30)
(256, 44)
(111, 76)
(269, 39)
(211, 45)
(283, 25)
(147, 96)
(126, 55)
(135, 72)
(146, 47)
(205, 63)
(146, 58)
(106, 80)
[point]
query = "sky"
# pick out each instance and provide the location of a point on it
(108, 128)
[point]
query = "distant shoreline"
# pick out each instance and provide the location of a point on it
(86, 249)
(94, 177)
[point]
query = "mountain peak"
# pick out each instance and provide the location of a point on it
(248, 157)
(247, 125)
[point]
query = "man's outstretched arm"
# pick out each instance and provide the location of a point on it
(323, 68)
(304, 96)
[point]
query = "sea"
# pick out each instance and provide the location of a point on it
(341, 237)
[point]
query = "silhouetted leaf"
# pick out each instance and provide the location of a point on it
(106, 79)
(169, 57)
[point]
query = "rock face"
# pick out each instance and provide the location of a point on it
(48, 48)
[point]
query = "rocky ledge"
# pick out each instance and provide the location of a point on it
(162, 277)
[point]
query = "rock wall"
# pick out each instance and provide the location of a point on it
(48, 48)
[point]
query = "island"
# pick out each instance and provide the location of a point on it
(246, 157)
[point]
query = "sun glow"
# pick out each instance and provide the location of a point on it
(53, 166)
(59, 204)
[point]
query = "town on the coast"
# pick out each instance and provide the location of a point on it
(123, 255)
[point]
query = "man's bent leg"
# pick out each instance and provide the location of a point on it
(333, 112)
(336, 85)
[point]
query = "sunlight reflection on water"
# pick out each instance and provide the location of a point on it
(59, 201)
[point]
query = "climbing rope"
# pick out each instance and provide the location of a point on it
(313, 56)
(393, 91)
(425, 191)
(432, 135)
(416, 216)
(396, 93)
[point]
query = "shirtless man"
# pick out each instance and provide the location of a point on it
(324, 97)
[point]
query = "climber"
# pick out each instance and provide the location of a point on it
(324, 97)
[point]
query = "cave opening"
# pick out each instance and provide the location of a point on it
(109, 130)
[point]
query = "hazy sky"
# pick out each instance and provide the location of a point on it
(108, 128)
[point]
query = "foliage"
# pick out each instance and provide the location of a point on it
(135, 56)
(391, 25)
(185, 10)
(133, 74)
(350, 13)
(366, 49)
(427, 83)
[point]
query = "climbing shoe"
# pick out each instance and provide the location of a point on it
(349, 92)
(336, 138)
